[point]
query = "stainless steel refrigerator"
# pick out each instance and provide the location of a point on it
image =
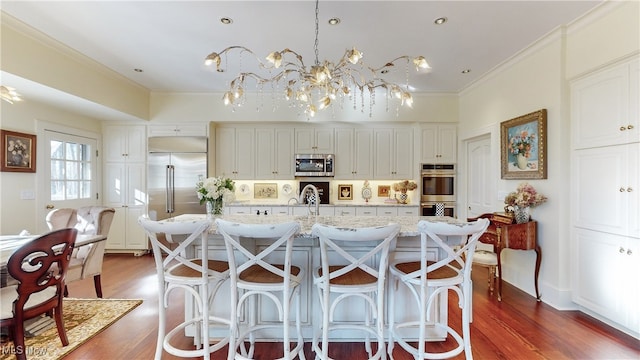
(175, 166)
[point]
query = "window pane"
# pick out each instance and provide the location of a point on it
(57, 190)
(57, 170)
(85, 192)
(71, 190)
(73, 151)
(57, 150)
(72, 170)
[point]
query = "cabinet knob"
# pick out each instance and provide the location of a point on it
(629, 189)
(622, 189)
(621, 250)
(629, 252)
(623, 128)
(629, 127)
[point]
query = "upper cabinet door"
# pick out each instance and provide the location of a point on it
(604, 107)
(125, 143)
(274, 153)
(235, 153)
(439, 144)
(314, 141)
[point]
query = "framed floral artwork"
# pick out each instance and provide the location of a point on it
(523, 146)
(345, 192)
(265, 191)
(18, 152)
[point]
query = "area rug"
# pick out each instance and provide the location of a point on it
(83, 319)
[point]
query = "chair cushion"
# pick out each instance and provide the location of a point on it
(258, 274)
(185, 271)
(445, 272)
(9, 294)
(356, 276)
(488, 258)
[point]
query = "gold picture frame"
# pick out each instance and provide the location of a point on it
(524, 146)
(265, 191)
(345, 192)
(384, 190)
(18, 152)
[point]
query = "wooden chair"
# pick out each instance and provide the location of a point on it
(359, 273)
(39, 267)
(427, 280)
(176, 270)
(254, 277)
(86, 261)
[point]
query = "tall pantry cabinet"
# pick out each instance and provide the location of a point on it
(125, 149)
(605, 227)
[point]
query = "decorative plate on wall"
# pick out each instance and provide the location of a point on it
(244, 189)
(286, 188)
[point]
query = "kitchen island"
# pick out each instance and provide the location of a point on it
(306, 255)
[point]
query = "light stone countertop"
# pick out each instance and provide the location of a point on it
(408, 224)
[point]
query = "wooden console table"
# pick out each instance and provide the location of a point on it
(504, 233)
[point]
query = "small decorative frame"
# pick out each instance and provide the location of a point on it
(524, 146)
(345, 192)
(384, 190)
(265, 191)
(18, 152)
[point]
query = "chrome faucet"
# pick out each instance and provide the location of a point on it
(315, 201)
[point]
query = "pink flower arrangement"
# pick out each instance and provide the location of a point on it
(524, 196)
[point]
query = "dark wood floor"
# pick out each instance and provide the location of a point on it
(516, 328)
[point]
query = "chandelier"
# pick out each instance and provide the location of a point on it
(324, 83)
(9, 94)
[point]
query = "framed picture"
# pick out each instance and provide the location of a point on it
(383, 190)
(345, 192)
(523, 146)
(18, 151)
(265, 191)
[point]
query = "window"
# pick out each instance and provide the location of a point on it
(71, 173)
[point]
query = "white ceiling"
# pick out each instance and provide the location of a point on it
(169, 40)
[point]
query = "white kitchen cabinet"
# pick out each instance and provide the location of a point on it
(178, 130)
(606, 275)
(393, 153)
(607, 194)
(439, 143)
(604, 107)
(408, 210)
(237, 210)
(274, 153)
(353, 150)
(314, 140)
(124, 143)
(387, 211)
(125, 186)
(344, 211)
(235, 153)
(366, 211)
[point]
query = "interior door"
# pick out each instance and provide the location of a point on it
(480, 190)
(70, 176)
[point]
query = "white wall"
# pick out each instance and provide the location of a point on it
(17, 214)
(534, 79)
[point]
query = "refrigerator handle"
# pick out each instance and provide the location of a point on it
(170, 189)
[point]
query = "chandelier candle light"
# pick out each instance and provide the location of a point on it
(317, 88)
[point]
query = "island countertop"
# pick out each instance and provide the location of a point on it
(408, 224)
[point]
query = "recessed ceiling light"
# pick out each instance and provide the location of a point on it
(440, 20)
(138, 70)
(466, 71)
(334, 21)
(226, 20)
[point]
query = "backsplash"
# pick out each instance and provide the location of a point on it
(281, 191)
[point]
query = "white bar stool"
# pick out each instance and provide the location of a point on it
(353, 274)
(428, 279)
(175, 271)
(254, 277)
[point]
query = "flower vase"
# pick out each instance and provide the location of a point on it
(214, 207)
(403, 197)
(521, 162)
(521, 214)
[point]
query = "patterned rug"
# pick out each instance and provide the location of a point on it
(83, 319)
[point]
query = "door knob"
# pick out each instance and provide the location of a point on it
(49, 207)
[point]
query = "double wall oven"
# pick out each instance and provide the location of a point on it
(438, 195)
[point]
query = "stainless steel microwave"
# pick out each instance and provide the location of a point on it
(314, 165)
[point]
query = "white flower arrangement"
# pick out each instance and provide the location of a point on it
(216, 188)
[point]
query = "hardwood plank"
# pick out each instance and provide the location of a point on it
(519, 327)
